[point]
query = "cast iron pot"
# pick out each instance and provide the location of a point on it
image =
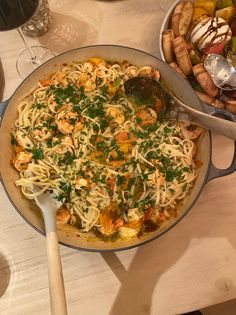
(68, 235)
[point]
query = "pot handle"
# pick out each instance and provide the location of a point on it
(215, 172)
(3, 105)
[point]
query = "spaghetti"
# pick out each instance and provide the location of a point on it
(118, 170)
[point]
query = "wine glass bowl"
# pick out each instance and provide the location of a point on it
(15, 14)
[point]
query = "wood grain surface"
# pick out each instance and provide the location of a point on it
(191, 267)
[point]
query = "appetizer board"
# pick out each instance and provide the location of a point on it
(194, 30)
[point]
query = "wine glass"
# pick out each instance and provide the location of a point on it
(13, 14)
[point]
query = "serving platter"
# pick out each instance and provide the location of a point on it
(200, 80)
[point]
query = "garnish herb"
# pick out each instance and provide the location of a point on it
(37, 154)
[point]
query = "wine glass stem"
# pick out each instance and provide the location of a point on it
(33, 57)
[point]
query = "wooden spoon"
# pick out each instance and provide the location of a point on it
(49, 206)
(145, 90)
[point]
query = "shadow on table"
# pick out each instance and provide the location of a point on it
(139, 281)
(66, 33)
(5, 274)
(154, 259)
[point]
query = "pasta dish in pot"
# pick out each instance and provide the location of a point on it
(119, 171)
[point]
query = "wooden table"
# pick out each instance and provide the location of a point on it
(191, 267)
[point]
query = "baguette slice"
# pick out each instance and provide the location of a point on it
(167, 45)
(205, 80)
(231, 106)
(175, 17)
(186, 18)
(209, 100)
(177, 69)
(182, 55)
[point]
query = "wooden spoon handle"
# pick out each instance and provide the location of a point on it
(55, 276)
(219, 125)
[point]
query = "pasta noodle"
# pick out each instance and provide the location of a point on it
(118, 170)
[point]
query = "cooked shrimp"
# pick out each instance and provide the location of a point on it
(97, 61)
(84, 77)
(112, 89)
(118, 223)
(66, 121)
(54, 108)
(148, 116)
(79, 126)
(46, 82)
(80, 183)
(125, 137)
(60, 77)
(88, 66)
(42, 134)
(190, 131)
(65, 145)
(90, 85)
(67, 107)
(23, 140)
(154, 215)
(150, 72)
(131, 71)
(125, 147)
(52, 104)
(128, 232)
(117, 163)
(116, 114)
(107, 226)
(63, 216)
(21, 160)
(86, 81)
(148, 214)
(134, 215)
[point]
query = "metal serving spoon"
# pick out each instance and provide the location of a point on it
(221, 71)
(145, 90)
(49, 206)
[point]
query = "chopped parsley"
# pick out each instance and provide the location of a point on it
(67, 159)
(39, 105)
(120, 180)
(171, 173)
(167, 130)
(66, 189)
(37, 154)
(152, 155)
(13, 140)
(50, 124)
(94, 112)
(131, 183)
(103, 124)
(104, 90)
(138, 120)
(153, 127)
(61, 94)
